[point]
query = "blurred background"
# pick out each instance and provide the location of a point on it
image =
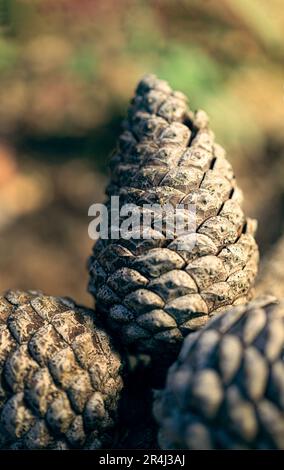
(67, 71)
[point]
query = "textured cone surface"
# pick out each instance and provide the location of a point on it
(60, 377)
(226, 390)
(155, 291)
(271, 279)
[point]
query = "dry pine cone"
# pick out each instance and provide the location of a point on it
(226, 389)
(60, 376)
(155, 291)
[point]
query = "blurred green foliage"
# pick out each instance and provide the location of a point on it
(68, 67)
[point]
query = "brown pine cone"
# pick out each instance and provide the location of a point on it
(60, 375)
(153, 292)
(226, 390)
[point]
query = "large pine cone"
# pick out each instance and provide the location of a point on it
(60, 376)
(155, 291)
(226, 389)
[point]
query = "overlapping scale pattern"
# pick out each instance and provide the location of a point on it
(226, 390)
(155, 290)
(60, 377)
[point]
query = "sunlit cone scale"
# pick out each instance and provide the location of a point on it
(226, 390)
(155, 291)
(60, 376)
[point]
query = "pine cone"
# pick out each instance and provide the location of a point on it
(60, 376)
(226, 390)
(271, 279)
(155, 291)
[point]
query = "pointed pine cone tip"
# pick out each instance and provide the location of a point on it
(153, 292)
(60, 376)
(226, 391)
(152, 87)
(155, 96)
(151, 82)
